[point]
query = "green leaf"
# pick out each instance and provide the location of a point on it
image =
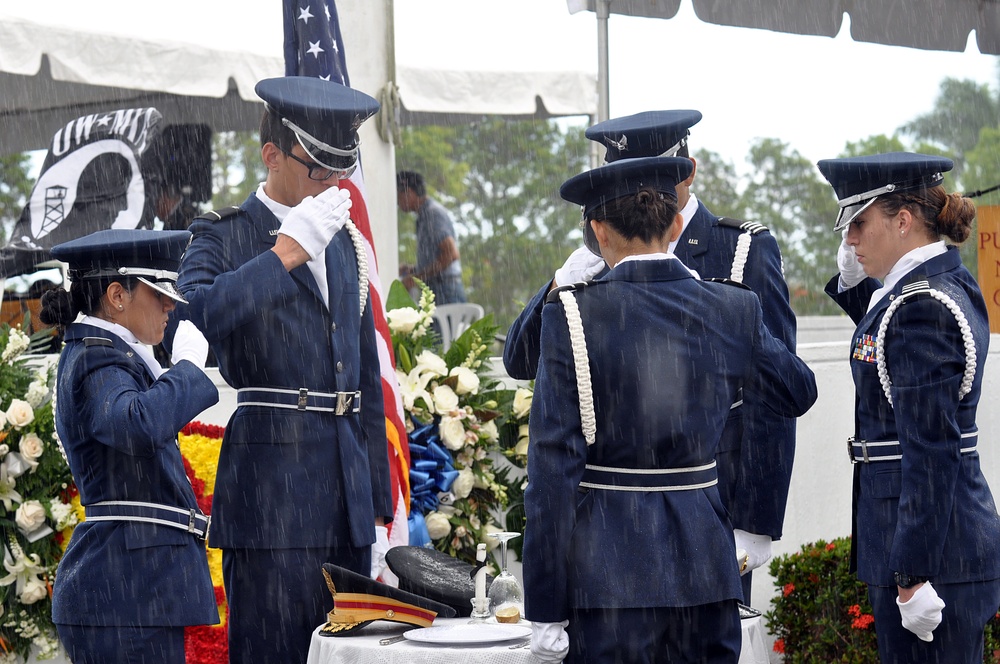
(399, 297)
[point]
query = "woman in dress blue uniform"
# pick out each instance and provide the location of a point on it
(629, 553)
(135, 572)
(926, 527)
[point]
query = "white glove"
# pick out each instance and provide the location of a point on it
(189, 344)
(852, 272)
(313, 222)
(379, 548)
(922, 613)
(582, 265)
(549, 641)
(756, 549)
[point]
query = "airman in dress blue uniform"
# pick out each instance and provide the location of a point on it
(628, 546)
(926, 526)
(135, 572)
(719, 248)
(279, 288)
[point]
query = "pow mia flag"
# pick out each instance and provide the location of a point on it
(90, 180)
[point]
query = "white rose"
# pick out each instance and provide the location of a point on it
(403, 320)
(430, 363)
(522, 440)
(31, 447)
(445, 399)
(464, 482)
(20, 414)
(468, 381)
(452, 433)
(489, 431)
(34, 590)
(438, 525)
(522, 402)
(36, 394)
(30, 514)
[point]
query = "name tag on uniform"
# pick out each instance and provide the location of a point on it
(864, 349)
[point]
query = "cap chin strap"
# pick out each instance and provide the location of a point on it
(672, 151)
(158, 275)
(300, 132)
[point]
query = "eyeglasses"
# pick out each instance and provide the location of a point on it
(321, 173)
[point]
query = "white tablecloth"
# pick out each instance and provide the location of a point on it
(365, 648)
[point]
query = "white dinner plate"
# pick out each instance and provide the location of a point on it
(468, 634)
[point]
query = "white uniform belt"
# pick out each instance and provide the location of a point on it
(338, 403)
(867, 451)
(191, 520)
(649, 479)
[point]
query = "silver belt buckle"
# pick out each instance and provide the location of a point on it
(303, 396)
(192, 520)
(344, 400)
(851, 442)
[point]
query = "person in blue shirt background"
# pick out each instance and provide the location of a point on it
(629, 552)
(135, 572)
(438, 263)
(926, 529)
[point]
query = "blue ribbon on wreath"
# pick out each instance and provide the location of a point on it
(431, 473)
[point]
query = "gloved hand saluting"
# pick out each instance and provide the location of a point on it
(852, 272)
(189, 344)
(313, 222)
(756, 550)
(922, 613)
(582, 265)
(549, 641)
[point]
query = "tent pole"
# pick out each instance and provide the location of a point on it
(603, 10)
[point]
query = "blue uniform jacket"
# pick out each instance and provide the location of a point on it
(288, 478)
(667, 354)
(119, 429)
(710, 249)
(930, 514)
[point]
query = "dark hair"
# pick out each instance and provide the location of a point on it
(950, 215)
(60, 307)
(411, 180)
(273, 131)
(646, 214)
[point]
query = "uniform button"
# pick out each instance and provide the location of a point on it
(333, 327)
(340, 367)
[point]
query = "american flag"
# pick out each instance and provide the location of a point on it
(314, 47)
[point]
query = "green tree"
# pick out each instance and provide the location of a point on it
(717, 184)
(236, 167)
(15, 187)
(787, 194)
(961, 109)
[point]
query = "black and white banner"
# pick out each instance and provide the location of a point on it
(90, 180)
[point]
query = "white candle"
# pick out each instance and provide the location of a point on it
(481, 578)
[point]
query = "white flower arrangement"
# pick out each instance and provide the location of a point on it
(35, 493)
(451, 402)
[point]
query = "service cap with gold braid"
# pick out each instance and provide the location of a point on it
(359, 600)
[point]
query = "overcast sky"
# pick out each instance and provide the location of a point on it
(815, 93)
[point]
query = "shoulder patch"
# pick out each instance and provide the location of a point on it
(730, 282)
(218, 215)
(752, 227)
(96, 341)
(553, 295)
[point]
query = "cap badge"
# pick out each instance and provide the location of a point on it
(621, 144)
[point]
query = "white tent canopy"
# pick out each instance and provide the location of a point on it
(51, 73)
